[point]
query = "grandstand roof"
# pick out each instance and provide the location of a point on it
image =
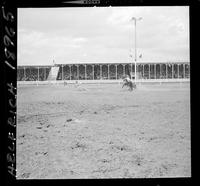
(111, 62)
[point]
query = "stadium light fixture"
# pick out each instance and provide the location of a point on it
(135, 20)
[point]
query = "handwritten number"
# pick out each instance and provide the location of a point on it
(7, 63)
(8, 17)
(9, 54)
(7, 41)
(10, 32)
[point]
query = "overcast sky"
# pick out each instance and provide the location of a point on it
(72, 35)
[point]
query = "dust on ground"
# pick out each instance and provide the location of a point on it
(103, 131)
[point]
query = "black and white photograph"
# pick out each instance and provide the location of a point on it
(103, 92)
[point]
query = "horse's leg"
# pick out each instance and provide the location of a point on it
(131, 85)
(124, 84)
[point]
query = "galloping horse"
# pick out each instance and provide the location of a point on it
(129, 83)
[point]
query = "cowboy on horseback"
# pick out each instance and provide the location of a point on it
(128, 82)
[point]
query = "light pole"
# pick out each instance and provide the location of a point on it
(135, 20)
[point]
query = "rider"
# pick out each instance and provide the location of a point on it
(127, 78)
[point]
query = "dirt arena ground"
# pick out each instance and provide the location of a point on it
(103, 131)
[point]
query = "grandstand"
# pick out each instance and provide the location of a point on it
(33, 73)
(146, 71)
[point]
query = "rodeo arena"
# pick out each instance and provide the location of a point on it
(79, 121)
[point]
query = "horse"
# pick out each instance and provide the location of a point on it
(129, 83)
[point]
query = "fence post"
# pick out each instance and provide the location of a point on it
(116, 71)
(178, 71)
(149, 70)
(77, 71)
(100, 71)
(142, 71)
(85, 72)
(38, 76)
(123, 70)
(24, 74)
(108, 72)
(70, 72)
(93, 71)
(62, 72)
